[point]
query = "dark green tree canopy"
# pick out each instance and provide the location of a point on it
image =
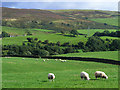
(74, 32)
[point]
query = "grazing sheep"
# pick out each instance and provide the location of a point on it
(63, 60)
(55, 59)
(23, 58)
(84, 75)
(100, 74)
(60, 59)
(51, 76)
(47, 59)
(43, 60)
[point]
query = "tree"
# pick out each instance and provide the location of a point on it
(62, 32)
(80, 45)
(69, 50)
(46, 42)
(58, 43)
(28, 32)
(96, 44)
(4, 34)
(115, 45)
(74, 32)
(36, 39)
(30, 39)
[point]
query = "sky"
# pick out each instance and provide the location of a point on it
(111, 5)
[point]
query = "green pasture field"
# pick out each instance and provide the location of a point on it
(19, 31)
(29, 73)
(110, 21)
(44, 36)
(90, 32)
(13, 31)
(102, 54)
(44, 30)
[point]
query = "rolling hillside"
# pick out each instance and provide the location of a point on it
(58, 20)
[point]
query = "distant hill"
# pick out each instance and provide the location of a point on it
(55, 19)
(9, 13)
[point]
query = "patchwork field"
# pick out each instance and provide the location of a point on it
(42, 34)
(29, 73)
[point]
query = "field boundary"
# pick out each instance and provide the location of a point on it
(108, 61)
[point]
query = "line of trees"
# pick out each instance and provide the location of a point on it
(35, 47)
(107, 33)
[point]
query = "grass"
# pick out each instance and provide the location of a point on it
(43, 30)
(110, 21)
(104, 37)
(103, 54)
(29, 73)
(20, 31)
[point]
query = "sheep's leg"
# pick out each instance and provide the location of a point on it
(50, 80)
(82, 78)
(96, 77)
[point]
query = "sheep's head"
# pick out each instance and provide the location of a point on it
(88, 78)
(106, 77)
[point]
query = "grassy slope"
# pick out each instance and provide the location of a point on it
(28, 73)
(13, 31)
(104, 37)
(105, 55)
(110, 21)
(19, 31)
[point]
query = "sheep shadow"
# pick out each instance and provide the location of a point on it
(69, 35)
(44, 81)
(93, 79)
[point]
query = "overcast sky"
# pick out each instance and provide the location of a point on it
(111, 5)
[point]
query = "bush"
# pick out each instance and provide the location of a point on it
(96, 44)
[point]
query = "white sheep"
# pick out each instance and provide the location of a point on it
(23, 58)
(43, 60)
(55, 59)
(51, 76)
(60, 59)
(100, 74)
(47, 59)
(63, 60)
(84, 75)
